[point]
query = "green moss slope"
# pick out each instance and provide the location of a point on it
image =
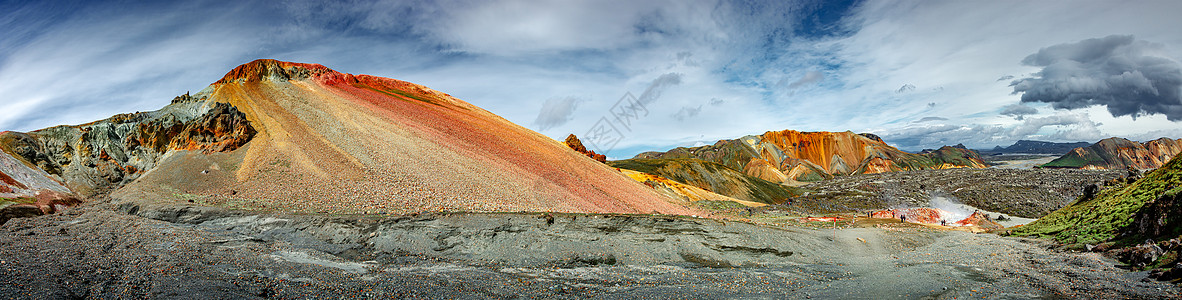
(1104, 216)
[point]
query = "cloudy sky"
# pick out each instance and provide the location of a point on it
(641, 75)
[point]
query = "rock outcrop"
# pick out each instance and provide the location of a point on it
(574, 143)
(43, 202)
(791, 156)
(97, 157)
(1118, 153)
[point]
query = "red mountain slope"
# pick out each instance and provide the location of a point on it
(317, 140)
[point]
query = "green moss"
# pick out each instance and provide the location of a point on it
(810, 177)
(19, 200)
(6, 202)
(1074, 160)
(951, 155)
(1167, 259)
(1102, 217)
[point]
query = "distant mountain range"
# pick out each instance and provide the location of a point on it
(791, 156)
(1035, 147)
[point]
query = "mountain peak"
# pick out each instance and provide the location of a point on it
(261, 69)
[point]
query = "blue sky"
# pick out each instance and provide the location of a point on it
(921, 74)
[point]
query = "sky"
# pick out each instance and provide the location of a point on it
(634, 76)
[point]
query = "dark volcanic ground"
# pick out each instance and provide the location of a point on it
(1030, 193)
(97, 251)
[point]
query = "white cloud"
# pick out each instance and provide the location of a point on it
(1060, 127)
(687, 112)
(920, 44)
(510, 27)
(742, 67)
(809, 78)
(930, 119)
(82, 69)
(556, 111)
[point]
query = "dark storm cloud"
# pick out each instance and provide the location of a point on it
(929, 119)
(1131, 77)
(1018, 111)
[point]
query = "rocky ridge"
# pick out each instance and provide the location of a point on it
(1035, 147)
(97, 157)
(1119, 153)
(574, 143)
(791, 156)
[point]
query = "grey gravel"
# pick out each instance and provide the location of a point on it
(100, 251)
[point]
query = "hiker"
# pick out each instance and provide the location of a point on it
(943, 223)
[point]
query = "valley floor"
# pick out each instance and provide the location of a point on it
(99, 251)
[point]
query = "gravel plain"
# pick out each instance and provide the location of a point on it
(102, 251)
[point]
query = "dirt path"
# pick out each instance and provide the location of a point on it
(98, 252)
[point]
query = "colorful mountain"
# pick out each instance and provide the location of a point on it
(712, 177)
(791, 156)
(687, 193)
(1119, 153)
(273, 135)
